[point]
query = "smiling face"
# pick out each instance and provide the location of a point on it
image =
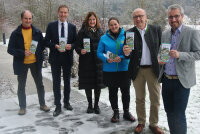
(27, 19)
(114, 26)
(63, 14)
(175, 18)
(139, 18)
(92, 21)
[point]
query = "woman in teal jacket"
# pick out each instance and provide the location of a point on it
(115, 68)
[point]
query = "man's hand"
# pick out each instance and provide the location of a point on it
(160, 62)
(27, 53)
(68, 46)
(174, 54)
(83, 51)
(127, 50)
(58, 48)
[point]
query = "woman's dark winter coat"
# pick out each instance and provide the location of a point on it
(90, 67)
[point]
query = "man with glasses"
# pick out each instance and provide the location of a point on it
(144, 68)
(178, 74)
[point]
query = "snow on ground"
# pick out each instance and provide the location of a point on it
(77, 121)
(38, 122)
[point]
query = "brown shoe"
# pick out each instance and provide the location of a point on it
(44, 108)
(22, 111)
(156, 130)
(115, 117)
(139, 128)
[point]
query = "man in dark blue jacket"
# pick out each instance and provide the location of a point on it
(61, 57)
(26, 45)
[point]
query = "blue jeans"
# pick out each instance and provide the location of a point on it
(175, 99)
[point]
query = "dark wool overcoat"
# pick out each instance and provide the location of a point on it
(90, 67)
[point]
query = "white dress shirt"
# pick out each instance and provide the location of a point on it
(65, 29)
(146, 56)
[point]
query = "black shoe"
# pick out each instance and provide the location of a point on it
(128, 116)
(97, 110)
(57, 111)
(90, 110)
(115, 117)
(68, 107)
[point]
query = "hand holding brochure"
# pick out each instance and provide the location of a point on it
(33, 46)
(62, 43)
(86, 44)
(130, 39)
(164, 52)
(111, 55)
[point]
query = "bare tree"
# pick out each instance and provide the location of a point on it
(142, 3)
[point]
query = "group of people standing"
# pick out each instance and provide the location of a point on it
(96, 70)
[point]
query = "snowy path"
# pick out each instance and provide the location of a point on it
(77, 121)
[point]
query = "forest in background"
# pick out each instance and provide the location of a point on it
(45, 11)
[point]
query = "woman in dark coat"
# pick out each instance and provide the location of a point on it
(90, 67)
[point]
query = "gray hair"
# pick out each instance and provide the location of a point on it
(176, 6)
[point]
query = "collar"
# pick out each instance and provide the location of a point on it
(92, 29)
(115, 35)
(26, 28)
(59, 22)
(178, 29)
(142, 30)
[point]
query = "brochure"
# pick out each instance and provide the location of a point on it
(62, 43)
(86, 44)
(130, 39)
(164, 52)
(111, 55)
(33, 46)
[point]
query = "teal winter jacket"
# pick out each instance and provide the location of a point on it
(109, 43)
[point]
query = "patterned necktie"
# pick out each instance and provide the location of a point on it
(62, 30)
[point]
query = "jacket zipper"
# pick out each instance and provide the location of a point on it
(116, 51)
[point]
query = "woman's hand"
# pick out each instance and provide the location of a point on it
(110, 60)
(83, 51)
(117, 59)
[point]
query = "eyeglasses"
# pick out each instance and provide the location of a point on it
(139, 16)
(176, 17)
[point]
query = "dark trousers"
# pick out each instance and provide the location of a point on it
(37, 76)
(97, 93)
(175, 99)
(56, 74)
(113, 97)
